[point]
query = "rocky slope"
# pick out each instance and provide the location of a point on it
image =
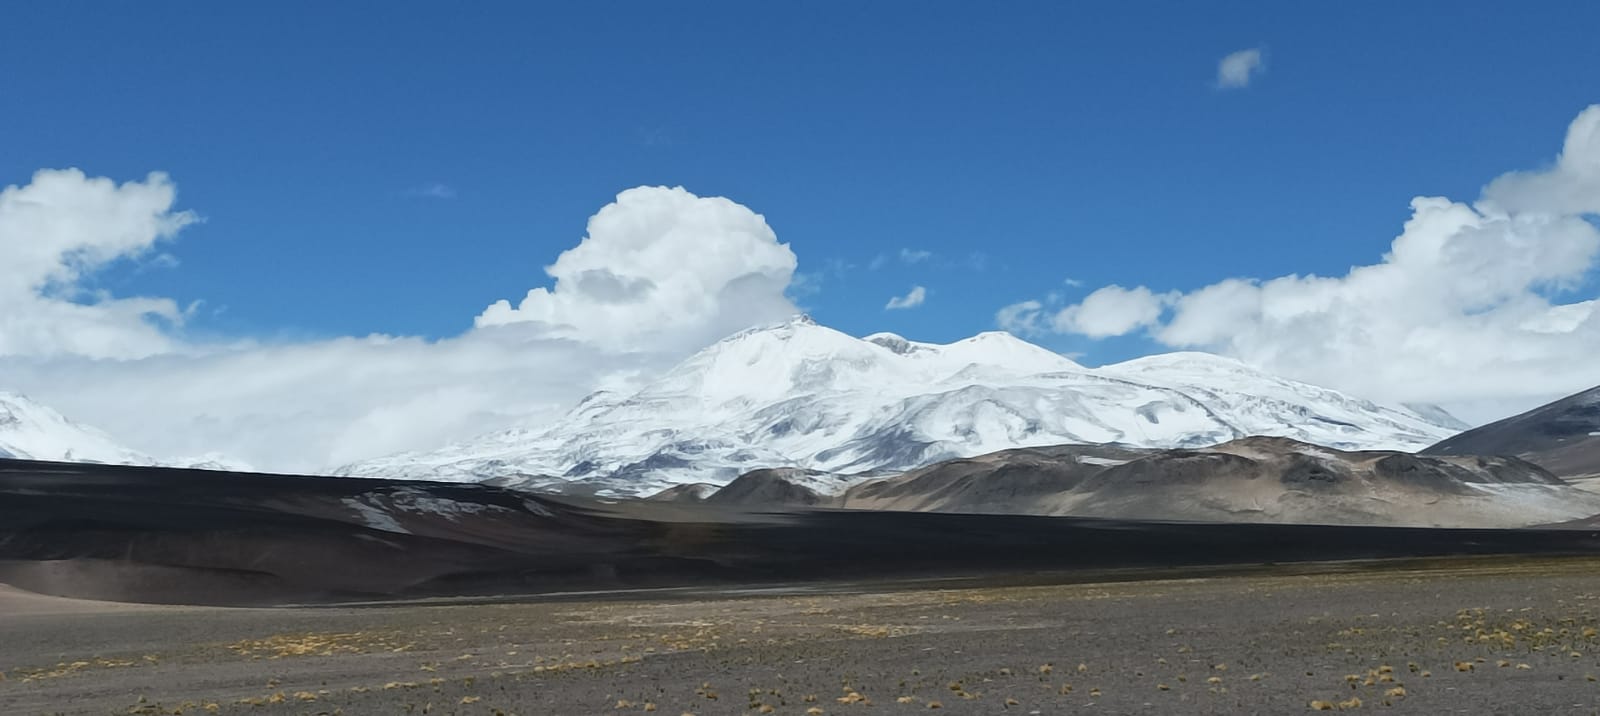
(1256, 480)
(1562, 437)
(801, 395)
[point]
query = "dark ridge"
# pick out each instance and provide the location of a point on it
(166, 535)
(1562, 437)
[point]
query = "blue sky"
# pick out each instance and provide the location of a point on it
(1021, 146)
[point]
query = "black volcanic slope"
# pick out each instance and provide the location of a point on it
(165, 535)
(1562, 437)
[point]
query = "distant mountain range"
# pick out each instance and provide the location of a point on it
(30, 431)
(190, 537)
(1254, 480)
(801, 395)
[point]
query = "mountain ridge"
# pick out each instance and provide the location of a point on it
(1253, 479)
(797, 394)
(1562, 436)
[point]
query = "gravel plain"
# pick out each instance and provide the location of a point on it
(1482, 635)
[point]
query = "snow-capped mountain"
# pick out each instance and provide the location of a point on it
(801, 395)
(31, 431)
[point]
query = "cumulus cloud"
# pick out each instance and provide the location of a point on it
(124, 365)
(660, 266)
(1237, 69)
(1570, 187)
(1473, 306)
(913, 299)
(1111, 311)
(63, 227)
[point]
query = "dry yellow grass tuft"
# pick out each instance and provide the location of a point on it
(1464, 666)
(1396, 692)
(935, 705)
(1323, 706)
(1351, 703)
(906, 700)
(471, 699)
(317, 644)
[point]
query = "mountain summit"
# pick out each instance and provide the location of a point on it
(798, 394)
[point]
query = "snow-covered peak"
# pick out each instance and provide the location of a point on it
(1004, 350)
(213, 461)
(801, 395)
(1191, 361)
(31, 431)
(771, 362)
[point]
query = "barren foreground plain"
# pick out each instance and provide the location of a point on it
(1467, 635)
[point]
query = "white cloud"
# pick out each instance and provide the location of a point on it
(1466, 309)
(63, 227)
(913, 256)
(660, 267)
(1024, 318)
(705, 265)
(433, 190)
(905, 256)
(913, 299)
(1237, 69)
(1572, 186)
(1111, 311)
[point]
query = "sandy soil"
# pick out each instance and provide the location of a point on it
(1468, 636)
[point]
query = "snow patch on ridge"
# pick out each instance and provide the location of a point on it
(374, 516)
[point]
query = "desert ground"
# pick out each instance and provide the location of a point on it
(1471, 635)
